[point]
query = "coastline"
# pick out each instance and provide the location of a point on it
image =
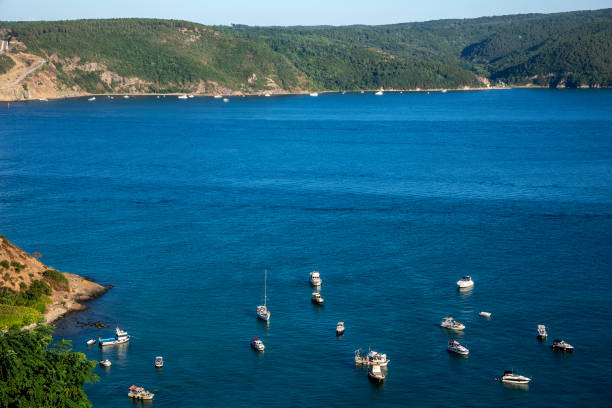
(263, 94)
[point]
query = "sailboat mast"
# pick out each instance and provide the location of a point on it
(265, 287)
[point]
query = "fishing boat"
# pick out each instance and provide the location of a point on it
(542, 334)
(257, 345)
(485, 314)
(560, 345)
(316, 298)
(182, 97)
(513, 378)
(340, 329)
(121, 337)
(105, 363)
(375, 373)
(465, 282)
(140, 393)
(93, 98)
(372, 357)
(451, 324)
(455, 347)
(314, 94)
(262, 311)
(315, 278)
(159, 362)
(91, 341)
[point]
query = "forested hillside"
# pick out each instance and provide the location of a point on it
(150, 55)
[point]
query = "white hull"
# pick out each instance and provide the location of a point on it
(113, 342)
(485, 314)
(464, 284)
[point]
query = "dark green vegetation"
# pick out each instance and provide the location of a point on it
(571, 49)
(56, 279)
(34, 373)
(6, 63)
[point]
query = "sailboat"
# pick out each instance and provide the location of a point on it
(262, 311)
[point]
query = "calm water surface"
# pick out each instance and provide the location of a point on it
(182, 204)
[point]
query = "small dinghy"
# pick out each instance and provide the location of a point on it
(317, 299)
(485, 314)
(105, 363)
(257, 345)
(91, 341)
(560, 345)
(159, 361)
(340, 329)
(449, 323)
(375, 374)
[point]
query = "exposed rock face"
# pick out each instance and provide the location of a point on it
(25, 268)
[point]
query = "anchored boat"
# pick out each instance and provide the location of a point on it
(512, 378)
(257, 345)
(465, 282)
(91, 341)
(376, 374)
(159, 361)
(316, 298)
(340, 329)
(455, 347)
(140, 393)
(449, 323)
(262, 311)
(542, 334)
(105, 363)
(121, 337)
(372, 357)
(561, 345)
(315, 278)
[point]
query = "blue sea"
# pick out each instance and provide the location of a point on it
(182, 205)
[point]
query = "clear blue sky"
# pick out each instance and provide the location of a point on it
(285, 12)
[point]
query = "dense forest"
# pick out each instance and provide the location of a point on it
(564, 49)
(34, 373)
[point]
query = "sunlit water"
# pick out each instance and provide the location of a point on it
(182, 204)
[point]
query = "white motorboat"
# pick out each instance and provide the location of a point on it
(485, 314)
(455, 347)
(561, 345)
(182, 97)
(257, 345)
(372, 357)
(43, 99)
(542, 334)
(340, 329)
(218, 96)
(375, 373)
(449, 323)
(225, 100)
(267, 95)
(93, 98)
(159, 362)
(191, 96)
(105, 363)
(126, 96)
(317, 299)
(512, 378)
(314, 94)
(444, 91)
(91, 341)
(262, 311)
(315, 278)
(121, 337)
(379, 93)
(465, 282)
